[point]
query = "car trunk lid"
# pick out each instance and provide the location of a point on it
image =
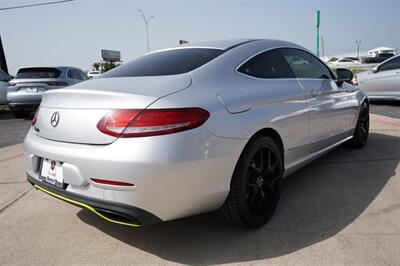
(72, 114)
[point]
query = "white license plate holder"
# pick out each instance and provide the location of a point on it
(31, 89)
(52, 172)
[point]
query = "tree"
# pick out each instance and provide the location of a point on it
(108, 66)
(96, 66)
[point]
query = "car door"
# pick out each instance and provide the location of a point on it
(345, 62)
(331, 111)
(385, 80)
(271, 90)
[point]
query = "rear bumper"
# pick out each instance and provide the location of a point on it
(174, 176)
(31, 106)
(111, 211)
(22, 97)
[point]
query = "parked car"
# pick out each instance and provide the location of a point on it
(344, 62)
(378, 58)
(4, 79)
(26, 89)
(196, 128)
(383, 81)
(93, 74)
(353, 58)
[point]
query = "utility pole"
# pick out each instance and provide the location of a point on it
(146, 23)
(318, 23)
(358, 49)
(323, 48)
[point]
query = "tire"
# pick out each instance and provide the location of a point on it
(20, 113)
(360, 135)
(256, 185)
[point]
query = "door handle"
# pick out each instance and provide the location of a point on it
(315, 92)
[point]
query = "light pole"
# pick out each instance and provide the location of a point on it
(146, 23)
(358, 49)
(318, 24)
(323, 48)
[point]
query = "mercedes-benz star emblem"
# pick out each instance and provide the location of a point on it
(55, 118)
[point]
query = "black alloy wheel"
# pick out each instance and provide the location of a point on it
(256, 184)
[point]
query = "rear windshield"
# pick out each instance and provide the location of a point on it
(38, 72)
(170, 62)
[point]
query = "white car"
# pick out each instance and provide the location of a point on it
(383, 81)
(344, 62)
(93, 74)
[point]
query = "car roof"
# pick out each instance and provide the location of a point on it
(218, 44)
(233, 43)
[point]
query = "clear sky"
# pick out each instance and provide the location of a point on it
(73, 33)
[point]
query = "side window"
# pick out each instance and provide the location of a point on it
(390, 65)
(269, 64)
(74, 74)
(305, 65)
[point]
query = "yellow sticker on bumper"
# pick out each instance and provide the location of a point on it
(90, 208)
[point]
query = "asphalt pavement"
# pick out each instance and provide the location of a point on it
(391, 109)
(12, 130)
(341, 209)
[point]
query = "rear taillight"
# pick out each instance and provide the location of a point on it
(151, 122)
(35, 117)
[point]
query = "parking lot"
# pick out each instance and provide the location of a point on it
(341, 209)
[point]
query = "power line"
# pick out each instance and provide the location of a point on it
(39, 4)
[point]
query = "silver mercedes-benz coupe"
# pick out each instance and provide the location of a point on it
(196, 128)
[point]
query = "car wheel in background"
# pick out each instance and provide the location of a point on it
(256, 184)
(20, 113)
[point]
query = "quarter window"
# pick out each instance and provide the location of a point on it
(74, 74)
(269, 64)
(305, 65)
(83, 75)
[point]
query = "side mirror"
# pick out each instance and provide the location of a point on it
(343, 75)
(374, 69)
